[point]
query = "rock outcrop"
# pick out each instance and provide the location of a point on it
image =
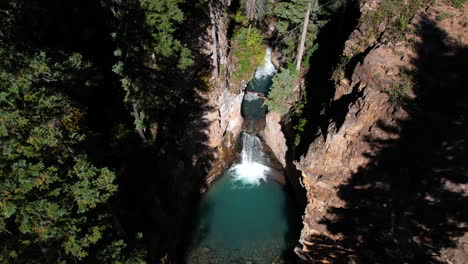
(222, 108)
(224, 119)
(371, 179)
(274, 137)
(225, 125)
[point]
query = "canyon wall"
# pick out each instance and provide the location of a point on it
(225, 125)
(386, 181)
(274, 137)
(222, 106)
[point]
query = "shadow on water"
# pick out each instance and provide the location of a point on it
(237, 223)
(406, 206)
(221, 201)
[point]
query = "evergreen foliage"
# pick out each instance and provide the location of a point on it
(396, 14)
(51, 195)
(256, 9)
(457, 3)
(339, 73)
(54, 199)
(281, 95)
(399, 91)
(148, 51)
(290, 19)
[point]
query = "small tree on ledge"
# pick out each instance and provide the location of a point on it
(281, 95)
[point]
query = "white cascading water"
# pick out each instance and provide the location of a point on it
(267, 68)
(251, 171)
(251, 97)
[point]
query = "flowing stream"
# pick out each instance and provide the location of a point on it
(246, 216)
(253, 107)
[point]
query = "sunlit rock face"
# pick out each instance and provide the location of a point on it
(274, 137)
(224, 125)
(224, 118)
(369, 174)
(333, 159)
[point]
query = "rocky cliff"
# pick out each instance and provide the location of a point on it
(222, 107)
(274, 137)
(387, 180)
(225, 124)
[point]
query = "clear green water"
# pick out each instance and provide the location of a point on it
(238, 223)
(255, 109)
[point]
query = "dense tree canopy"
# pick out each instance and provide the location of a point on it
(54, 200)
(51, 195)
(147, 52)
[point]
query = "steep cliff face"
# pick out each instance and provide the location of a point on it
(222, 112)
(225, 124)
(225, 120)
(380, 186)
(274, 137)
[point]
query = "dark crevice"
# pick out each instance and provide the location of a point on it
(320, 88)
(339, 108)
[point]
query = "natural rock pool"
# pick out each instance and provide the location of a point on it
(246, 216)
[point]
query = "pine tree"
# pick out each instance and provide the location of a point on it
(294, 28)
(48, 187)
(281, 97)
(148, 51)
(255, 9)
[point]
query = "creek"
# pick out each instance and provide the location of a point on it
(246, 216)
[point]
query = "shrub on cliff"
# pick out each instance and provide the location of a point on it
(248, 52)
(457, 3)
(396, 14)
(281, 96)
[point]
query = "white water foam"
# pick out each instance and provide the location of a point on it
(267, 69)
(250, 171)
(251, 97)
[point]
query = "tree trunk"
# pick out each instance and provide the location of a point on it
(136, 115)
(256, 8)
(300, 52)
(214, 46)
(222, 19)
(250, 9)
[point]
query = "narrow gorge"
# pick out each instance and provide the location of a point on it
(378, 93)
(233, 131)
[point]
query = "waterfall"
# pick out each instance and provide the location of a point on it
(267, 69)
(251, 171)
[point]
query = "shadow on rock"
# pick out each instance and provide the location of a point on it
(409, 204)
